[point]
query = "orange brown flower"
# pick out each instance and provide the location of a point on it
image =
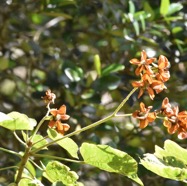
(175, 121)
(152, 75)
(143, 64)
(144, 115)
(58, 116)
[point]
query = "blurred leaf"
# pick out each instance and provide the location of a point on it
(4, 63)
(177, 29)
(17, 121)
(37, 18)
(164, 7)
(110, 159)
(112, 68)
(40, 141)
(149, 40)
(56, 171)
(131, 7)
(63, 2)
(88, 94)
(97, 64)
(136, 27)
(57, 14)
(67, 143)
(173, 18)
(74, 74)
(148, 9)
(109, 82)
(174, 7)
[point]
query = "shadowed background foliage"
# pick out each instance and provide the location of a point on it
(52, 44)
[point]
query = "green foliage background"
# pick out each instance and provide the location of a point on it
(52, 44)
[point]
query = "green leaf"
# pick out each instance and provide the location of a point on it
(174, 7)
(131, 7)
(24, 182)
(64, 2)
(169, 162)
(17, 121)
(172, 149)
(74, 74)
(110, 159)
(149, 10)
(56, 171)
(40, 141)
(110, 82)
(88, 94)
(28, 182)
(161, 168)
(4, 63)
(97, 64)
(136, 27)
(67, 143)
(177, 29)
(164, 7)
(112, 68)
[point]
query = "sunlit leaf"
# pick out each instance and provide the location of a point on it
(174, 7)
(67, 143)
(177, 29)
(17, 121)
(136, 27)
(74, 74)
(164, 7)
(39, 141)
(110, 159)
(29, 182)
(131, 7)
(97, 64)
(162, 169)
(169, 162)
(56, 171)
(172, 149)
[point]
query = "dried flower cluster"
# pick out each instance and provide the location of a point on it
(153, 75)
(57, 115)
(173, 120)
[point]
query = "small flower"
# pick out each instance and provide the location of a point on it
(144, 115)
(60, 114)
(163, 72)
(163, 62)
(166, 108)
(60, 127)
(174, 121)
(56, 123)
(158, 86)
(49, 97)
(143, 64)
